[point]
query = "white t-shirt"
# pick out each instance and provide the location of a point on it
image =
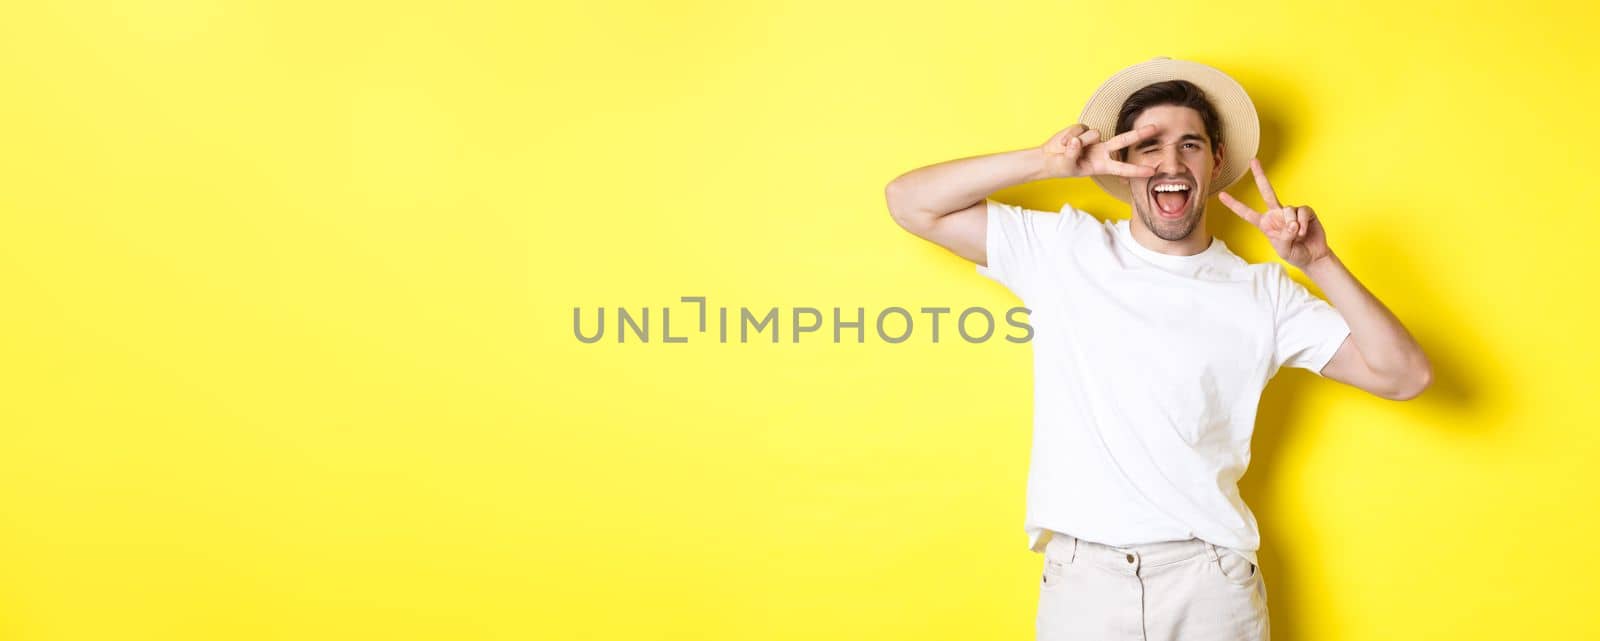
(1147, 372)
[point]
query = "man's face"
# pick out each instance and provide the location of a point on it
(1171, 202)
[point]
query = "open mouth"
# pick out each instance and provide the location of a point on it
(1171, 198)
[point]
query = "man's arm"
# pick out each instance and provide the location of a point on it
(1380, 356)
(944, 203)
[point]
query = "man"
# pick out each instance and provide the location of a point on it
(1153, 342)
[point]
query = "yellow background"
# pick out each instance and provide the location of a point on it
(288, 298)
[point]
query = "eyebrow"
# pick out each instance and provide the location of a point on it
(1148, 142)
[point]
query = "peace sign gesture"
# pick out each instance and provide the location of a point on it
(1078, 151)
(1295, 232)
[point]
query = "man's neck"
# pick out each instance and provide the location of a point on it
(1197, 241)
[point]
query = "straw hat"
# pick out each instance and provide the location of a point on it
(1241, 130)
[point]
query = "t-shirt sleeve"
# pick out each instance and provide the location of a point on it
(1308, 329)
(1018, 240)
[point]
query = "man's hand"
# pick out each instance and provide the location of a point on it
(1295, 232)
(1078, 152)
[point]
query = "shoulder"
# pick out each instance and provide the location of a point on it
(1041, 229)
(1223, 264)
(1067, 216)
(1279, 286)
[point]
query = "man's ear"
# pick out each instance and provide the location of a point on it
(1216, 167)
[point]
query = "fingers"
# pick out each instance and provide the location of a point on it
(1303, 217)
(1063, 139)
(1081, 141)
(1130, 137)
(1074, 146)
(1265, 187)
(1116, 168)
(1291, 223)
(1244, 211)
(1073, 131)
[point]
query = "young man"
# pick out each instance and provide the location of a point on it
(1153, 342)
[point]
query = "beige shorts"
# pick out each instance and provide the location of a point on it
(1174, 590)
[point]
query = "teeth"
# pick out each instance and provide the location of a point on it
(1172, 188)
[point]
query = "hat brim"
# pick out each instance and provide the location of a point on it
(1241, 129)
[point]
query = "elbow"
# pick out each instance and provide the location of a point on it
(894, 196)
(1414, 383)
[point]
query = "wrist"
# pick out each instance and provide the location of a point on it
(1037, 163)
(1321, 265)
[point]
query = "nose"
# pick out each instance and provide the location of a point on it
(1167, 159)
(1163, 159)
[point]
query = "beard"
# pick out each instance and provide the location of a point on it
(1169, 229)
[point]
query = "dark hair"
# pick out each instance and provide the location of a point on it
(1171, 92)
